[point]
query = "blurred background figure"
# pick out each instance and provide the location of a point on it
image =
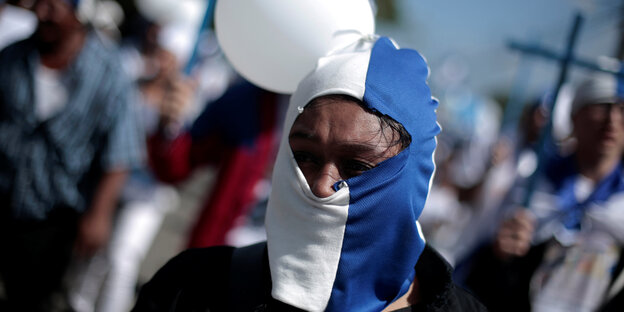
(238, 134)
(68, 137)
(564, 252)
(234, 134)
(108, 280)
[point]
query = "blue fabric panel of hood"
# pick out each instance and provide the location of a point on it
(382, 241)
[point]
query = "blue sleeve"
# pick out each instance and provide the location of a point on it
(235, 116)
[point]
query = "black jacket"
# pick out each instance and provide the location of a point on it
(201, 280)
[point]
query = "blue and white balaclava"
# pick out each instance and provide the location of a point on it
(356, 249)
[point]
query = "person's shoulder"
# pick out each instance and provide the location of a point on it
(461, 300)
(14, 62)
(101, 52)
(101, 45)
(197, 258)
(439, 292)
(16, 50)
(192, 279)
(191, 266)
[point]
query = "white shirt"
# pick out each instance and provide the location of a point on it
(50, 92)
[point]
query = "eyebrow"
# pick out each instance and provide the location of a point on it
(356, 147)
(301, 134)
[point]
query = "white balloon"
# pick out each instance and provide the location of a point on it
(275, 43)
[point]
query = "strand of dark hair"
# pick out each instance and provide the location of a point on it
(400, 136)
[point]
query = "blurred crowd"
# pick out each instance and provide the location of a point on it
(107, 106)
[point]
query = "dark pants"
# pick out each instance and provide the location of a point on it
(34, 257)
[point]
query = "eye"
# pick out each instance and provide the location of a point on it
(353, 167)
(305, 158)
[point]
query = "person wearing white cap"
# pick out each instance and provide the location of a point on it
(351, 178)
(68, 136)
(565, 251)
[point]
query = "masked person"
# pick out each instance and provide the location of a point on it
(351, 178)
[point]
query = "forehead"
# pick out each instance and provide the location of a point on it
(342, 128)
(596, 106)
(56, 3)
(58, 8)
(340, 116)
